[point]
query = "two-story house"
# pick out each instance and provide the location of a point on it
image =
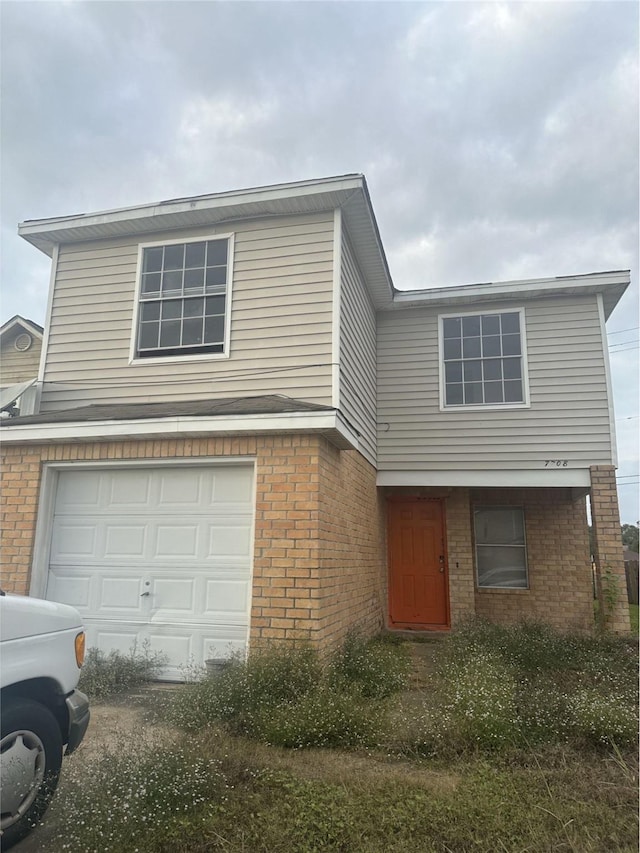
(245, 433)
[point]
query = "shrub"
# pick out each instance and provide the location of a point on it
(105, 675)
(284, 696)
(377, 668)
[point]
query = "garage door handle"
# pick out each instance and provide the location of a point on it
(142, 594)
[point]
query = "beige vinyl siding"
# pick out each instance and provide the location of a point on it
(568, 416)
(357, 352)
(281, 321)
(16, 366)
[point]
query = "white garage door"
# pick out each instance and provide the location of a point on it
(156, 555)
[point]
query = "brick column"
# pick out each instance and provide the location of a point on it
(609, 559)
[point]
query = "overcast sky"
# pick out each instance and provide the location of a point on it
(499, 140)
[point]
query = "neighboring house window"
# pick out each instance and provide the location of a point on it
(183, 298)
(482, 358)
(501, 553)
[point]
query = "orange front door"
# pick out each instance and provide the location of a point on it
(418, 577)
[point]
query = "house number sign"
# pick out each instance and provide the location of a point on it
(556, 463)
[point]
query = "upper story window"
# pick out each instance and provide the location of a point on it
(483, 359)
(184, 292)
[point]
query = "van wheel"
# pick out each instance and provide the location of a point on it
(30, 759)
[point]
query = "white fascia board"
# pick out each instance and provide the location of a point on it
(28, 325)
(246, 197)
(517, 289)
(179, 426)
(569, 477)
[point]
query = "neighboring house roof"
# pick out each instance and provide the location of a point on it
(273, 404)
(631, 556)
(27, 325)
(348, 193)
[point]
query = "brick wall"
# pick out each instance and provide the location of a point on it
(560, 583)
(609, 556)
(318, 559)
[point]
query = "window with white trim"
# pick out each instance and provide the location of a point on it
(482, 357)
(501, 550)
(183, 298)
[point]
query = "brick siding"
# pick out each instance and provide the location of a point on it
(609, 552)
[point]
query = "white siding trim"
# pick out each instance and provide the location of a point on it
(526, 404)
(607, 373)
(181, 359)
(177, 426)
(47, 322)
(517, 479)
(336, 308)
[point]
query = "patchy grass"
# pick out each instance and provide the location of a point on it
(518, 741)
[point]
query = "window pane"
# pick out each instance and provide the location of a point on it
(216, 252)
(172, 282)
(453, 348)
(149, 335)
(512, 368)
(194, 279)
(503, 567)
(491, 346)
(192, 332)
(152, 260)
(170, 333)
(454, 395)
(452, 327)
(150, 311)
(213, 330)
(499, 526)
(174, 257)
(453, 371)
(492, 368)
(511, 344)
(513, 391)
(472, 371)
(473, 392)
(510, 323)
(491, 324)
(193, 307)
(216, 276)
(471, 347)
(194, 256)
(470, 326)
(171, 309)
(215, 304)
(151, 283)
(493, 392)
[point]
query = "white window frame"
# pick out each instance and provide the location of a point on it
(483, 407)
(501, 508)
(134, 358)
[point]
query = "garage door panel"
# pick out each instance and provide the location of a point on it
(74, 541)
(231, 539)
(128, 489)
(225, 600)
(118, 594)
(183, 535)
(70, 587)
(125, 540)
